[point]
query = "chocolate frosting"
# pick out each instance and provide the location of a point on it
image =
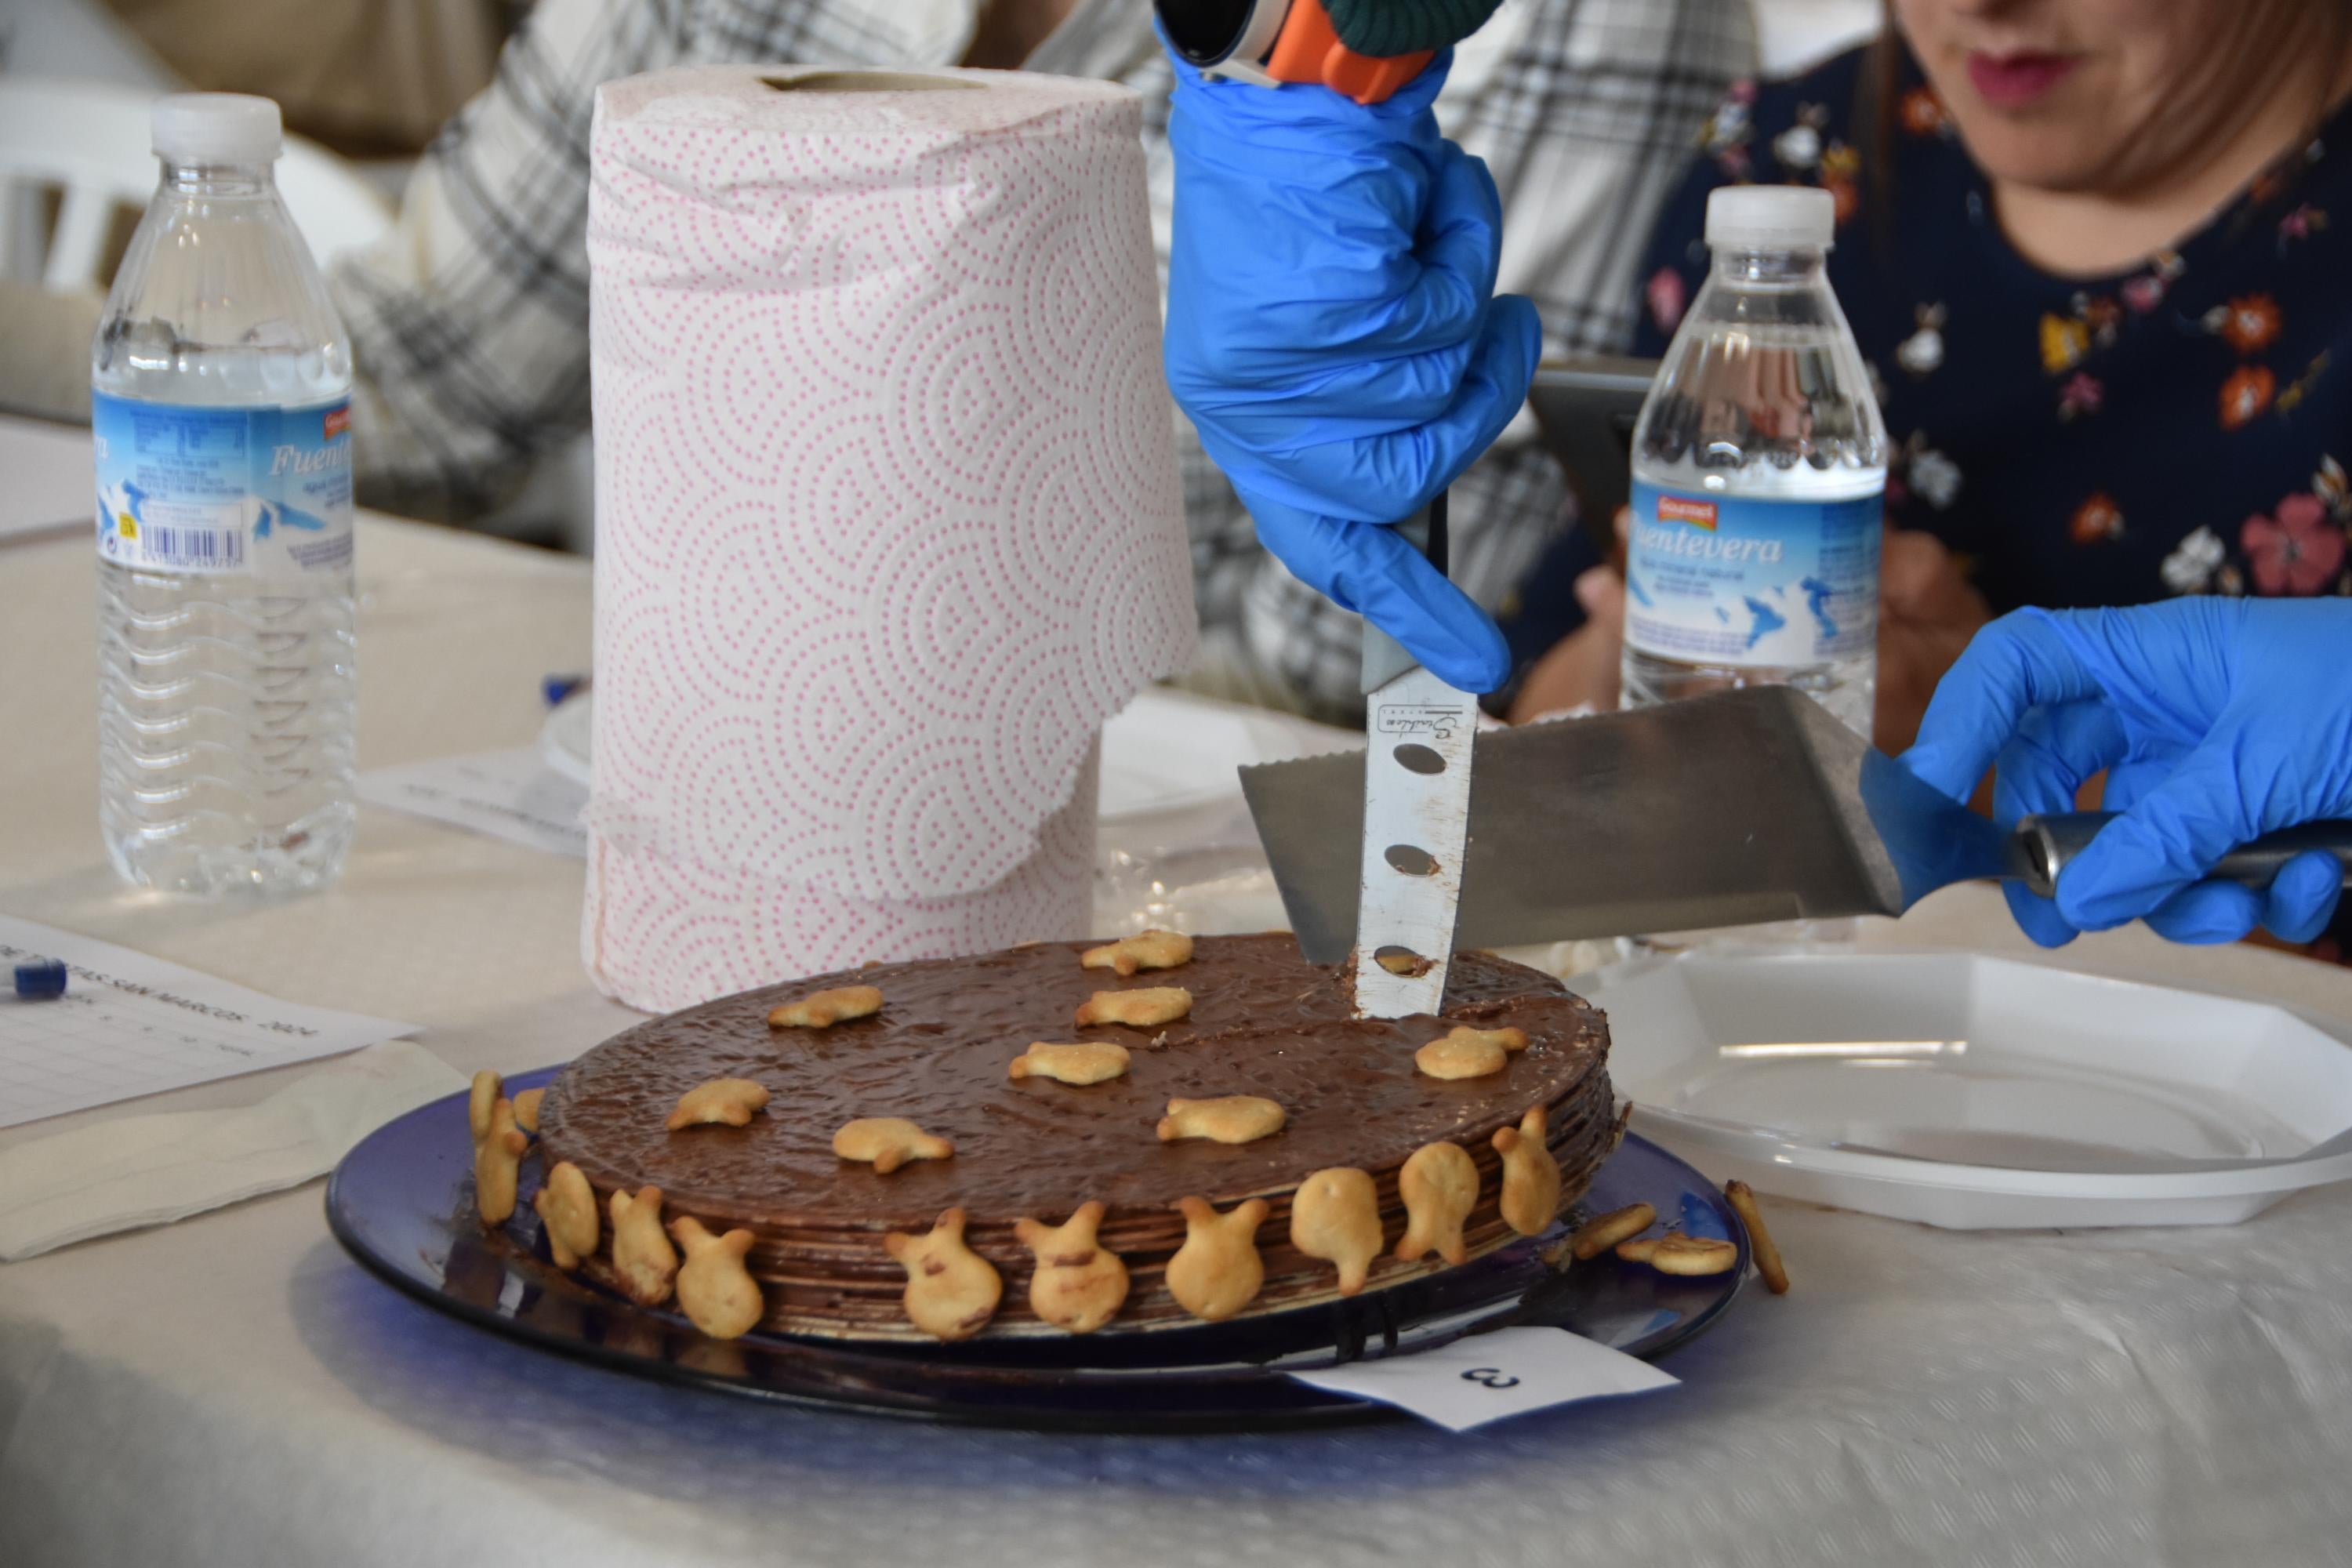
(1263, 1022)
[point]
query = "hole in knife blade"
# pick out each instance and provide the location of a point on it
(1420, 760)
(1410, 860)
(1402, 961)
(2037, 857)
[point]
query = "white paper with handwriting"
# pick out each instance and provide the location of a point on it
(1485, 1377)
(130, 1025)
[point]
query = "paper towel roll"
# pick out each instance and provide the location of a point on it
(887, 518)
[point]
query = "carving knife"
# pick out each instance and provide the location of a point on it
(1735, 808)
(1412, 832)
(1424, 807)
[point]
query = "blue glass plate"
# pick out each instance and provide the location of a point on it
(402, 1203)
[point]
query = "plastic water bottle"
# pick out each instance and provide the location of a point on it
(1759, 476)
(220, 388)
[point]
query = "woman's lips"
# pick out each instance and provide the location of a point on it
(2015, 81)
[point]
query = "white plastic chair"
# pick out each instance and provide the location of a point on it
(89, 140)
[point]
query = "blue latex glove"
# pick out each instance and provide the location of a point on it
(2217, 720)
(1333, 333)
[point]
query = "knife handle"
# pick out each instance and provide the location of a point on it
(1385, 658)
(2050, 843)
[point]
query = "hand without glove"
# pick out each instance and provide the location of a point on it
(1332, 332)
(2217, 721)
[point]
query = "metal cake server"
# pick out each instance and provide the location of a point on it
(1735, 808)
(1415, 817)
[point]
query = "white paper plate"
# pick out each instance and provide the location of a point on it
(1977, 1092)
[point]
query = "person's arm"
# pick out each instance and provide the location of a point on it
(469, 323)
(2216, 721)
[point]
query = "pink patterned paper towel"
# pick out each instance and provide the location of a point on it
(887, 514)
(663, 935)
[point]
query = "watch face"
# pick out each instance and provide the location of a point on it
(1207, 32)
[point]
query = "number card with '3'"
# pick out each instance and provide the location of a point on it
(1485, 1377)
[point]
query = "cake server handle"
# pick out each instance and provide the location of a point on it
(2052, 843)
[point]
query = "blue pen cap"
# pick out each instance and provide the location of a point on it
(40, 978)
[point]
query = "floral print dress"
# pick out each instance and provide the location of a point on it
(2179, 427)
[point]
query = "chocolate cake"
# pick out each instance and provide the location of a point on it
(1263, 1023)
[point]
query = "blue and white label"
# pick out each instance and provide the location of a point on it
(1744, 582)
(265, 492)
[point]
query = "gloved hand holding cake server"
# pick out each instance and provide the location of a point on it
(1334, 334)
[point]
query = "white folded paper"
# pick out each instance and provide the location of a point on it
(149, 1170)
(1486, 1377)
(513, 795)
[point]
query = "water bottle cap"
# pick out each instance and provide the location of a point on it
(1770, 217)
(217, 128)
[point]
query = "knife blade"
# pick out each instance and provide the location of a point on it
(1737, 808)
(1415, 817)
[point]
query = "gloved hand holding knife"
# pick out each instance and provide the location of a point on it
(2216, 722)
(1333, 333)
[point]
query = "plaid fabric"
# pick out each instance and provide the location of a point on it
(469, 323)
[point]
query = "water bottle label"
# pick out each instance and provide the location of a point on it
(265, 492)
(1745, 582)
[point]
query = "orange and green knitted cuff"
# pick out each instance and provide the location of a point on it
(1381, 28)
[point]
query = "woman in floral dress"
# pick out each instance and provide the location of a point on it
(2098, 255)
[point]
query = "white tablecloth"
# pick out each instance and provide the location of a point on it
(45, 478)
(233, 1389)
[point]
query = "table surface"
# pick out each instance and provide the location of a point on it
(45, 478)
(233, 1390)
